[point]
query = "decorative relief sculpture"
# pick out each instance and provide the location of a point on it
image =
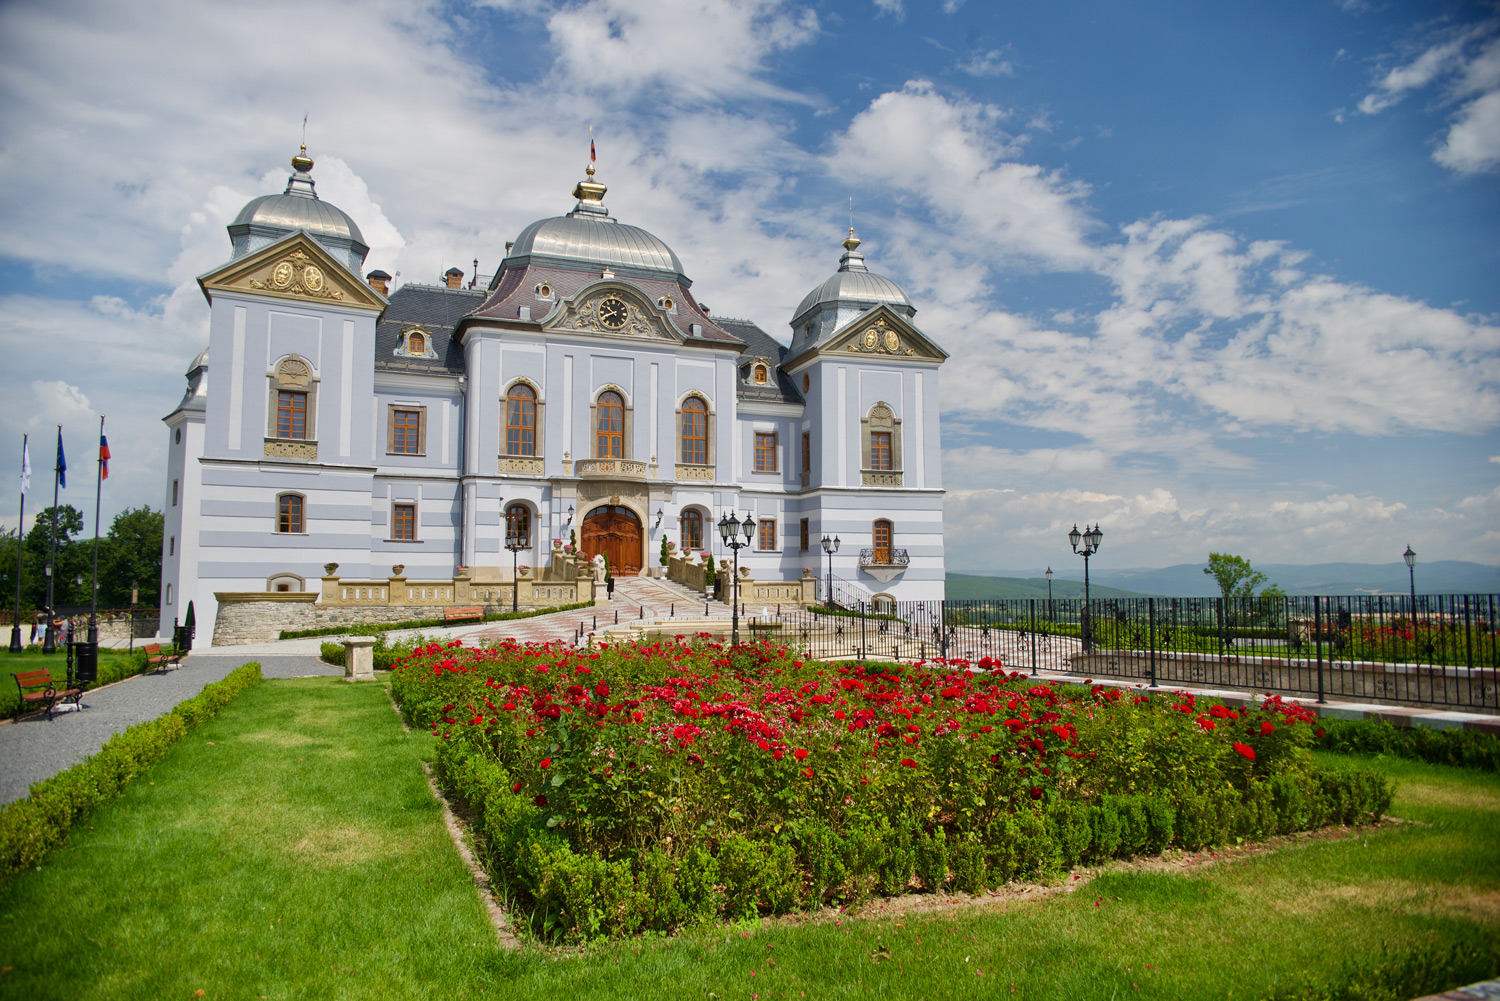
(609, 314)
(286, 448)
(296, 274)
(880, 338)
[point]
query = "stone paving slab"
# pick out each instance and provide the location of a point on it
(1489, 990)
(35, 748)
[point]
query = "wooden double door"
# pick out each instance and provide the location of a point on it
(615, 532)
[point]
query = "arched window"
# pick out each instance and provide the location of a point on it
(520, 420)
(881, 430)
(881, 536)
(289, 514)
(293, 399)
(609, 426)
(759, 375)
(694, 431)
(691, 524)
(518, 525)
(416, 343)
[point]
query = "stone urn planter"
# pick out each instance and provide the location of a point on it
(398, 569)
(523, 571)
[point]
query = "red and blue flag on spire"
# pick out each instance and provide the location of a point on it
(103, 457)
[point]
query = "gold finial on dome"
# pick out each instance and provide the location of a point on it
(852, 243)
(302, 163)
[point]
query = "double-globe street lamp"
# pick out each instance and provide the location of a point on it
(830, 546)
(730, 528)
(1090, 540)
(515, 543)
(1411, 572)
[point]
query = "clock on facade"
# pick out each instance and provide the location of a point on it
(613, 313)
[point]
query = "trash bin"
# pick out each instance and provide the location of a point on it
(86, 663)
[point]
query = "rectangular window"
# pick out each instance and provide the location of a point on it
(806, 535)
(291, 414)
(172, 546)
(289, 514)
(806, 452)
(174, 493)
(767, 532)
(404, 522)
(405, 431)
(765, 451)
(520, 422)
(880, 450)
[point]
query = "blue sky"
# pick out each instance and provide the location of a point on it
(1218, 278)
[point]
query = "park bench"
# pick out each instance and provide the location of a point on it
(38, 690)
(159, 658)
(463, 613)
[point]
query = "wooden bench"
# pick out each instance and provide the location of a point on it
(463, 614)
(38, 690)
(159, 658)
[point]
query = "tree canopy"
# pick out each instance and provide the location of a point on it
(1234, 575)
(129, 556)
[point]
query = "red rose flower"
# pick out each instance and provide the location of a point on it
(540, 801)
(1036, 792)
(546, 762)
(516, 787)
(1246, 750)
(808, 772)
(800, 753)
(1266, 728)
(909, 763)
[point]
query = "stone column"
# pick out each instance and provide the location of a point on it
(359, 658)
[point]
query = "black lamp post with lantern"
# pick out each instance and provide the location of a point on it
(1048, 575)
(830, 546)
(1089, 538)
(514, 543)
(1411, 574)
(730, 529)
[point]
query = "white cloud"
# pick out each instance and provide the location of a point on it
(895, 8)
(991, 63)
(1468, 59)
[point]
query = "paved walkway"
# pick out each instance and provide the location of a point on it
(36, 747)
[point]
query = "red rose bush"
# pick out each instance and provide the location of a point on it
(643, 787)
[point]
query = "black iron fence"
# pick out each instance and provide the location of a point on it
(1442, 650)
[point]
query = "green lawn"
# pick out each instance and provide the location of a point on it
(290, 849)
(113, 665)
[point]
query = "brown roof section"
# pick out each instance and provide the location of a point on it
(517, 287)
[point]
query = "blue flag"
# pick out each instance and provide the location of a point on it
(62, 462)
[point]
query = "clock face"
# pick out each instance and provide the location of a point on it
(613, 313)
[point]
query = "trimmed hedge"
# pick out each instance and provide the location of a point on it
(31, 827)
(376, 628)
(574, 895)
(1463, 748)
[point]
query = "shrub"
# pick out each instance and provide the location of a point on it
(650, 786)
(31, 827)
(1463, 748)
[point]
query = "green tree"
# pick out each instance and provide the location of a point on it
(71, 559)
(131, 557)
(1234, 575)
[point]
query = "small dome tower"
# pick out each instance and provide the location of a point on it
(269, 218)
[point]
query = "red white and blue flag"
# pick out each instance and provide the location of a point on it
(103, 457)
(593, 156)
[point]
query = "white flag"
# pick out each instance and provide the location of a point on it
(25, 467)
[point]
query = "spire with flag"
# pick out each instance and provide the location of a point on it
(103, 457)
(62, 461)
(593, 153)
(25, 463)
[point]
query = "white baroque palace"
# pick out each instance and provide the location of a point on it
(582, 393)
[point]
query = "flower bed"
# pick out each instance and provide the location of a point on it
(642, 787)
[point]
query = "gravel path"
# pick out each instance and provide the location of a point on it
(36, 748)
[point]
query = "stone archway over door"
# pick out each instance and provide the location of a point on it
(616, 532)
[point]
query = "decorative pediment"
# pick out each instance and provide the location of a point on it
(293, 268)
(881, 333)
(614, 309)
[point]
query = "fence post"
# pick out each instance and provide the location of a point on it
(1219, 606)
(1318, 643)
(1151, 611)
(862, 629)
(943, 628)
(1033, 637)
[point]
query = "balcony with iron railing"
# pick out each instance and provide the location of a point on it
(884, 565)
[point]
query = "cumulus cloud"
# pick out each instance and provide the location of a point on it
(1466, 61)
(991, 63)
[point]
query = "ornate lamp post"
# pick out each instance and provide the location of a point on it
(515, 544)
(1411, 573)
(830, 546)
(730, 528)
(1048, 575)
(1090, 540)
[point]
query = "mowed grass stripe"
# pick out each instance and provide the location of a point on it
(289, 848)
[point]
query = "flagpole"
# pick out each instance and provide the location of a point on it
(49, 642)
(15, 629)
(98, 498)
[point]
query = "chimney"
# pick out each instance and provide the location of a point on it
(379, 281)
(454, 278)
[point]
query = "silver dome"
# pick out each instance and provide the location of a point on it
(589, 233)
(269, 218)
(854, 283)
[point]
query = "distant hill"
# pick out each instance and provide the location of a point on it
(974, 587)
(1187, 580)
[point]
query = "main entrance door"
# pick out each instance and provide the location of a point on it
(616, 532)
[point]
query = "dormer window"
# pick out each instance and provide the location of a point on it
(416, 342)
(759, 375)
(544, 291)
(667, 304)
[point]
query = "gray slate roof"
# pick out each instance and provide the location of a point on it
(759, 344)
(438, 309)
